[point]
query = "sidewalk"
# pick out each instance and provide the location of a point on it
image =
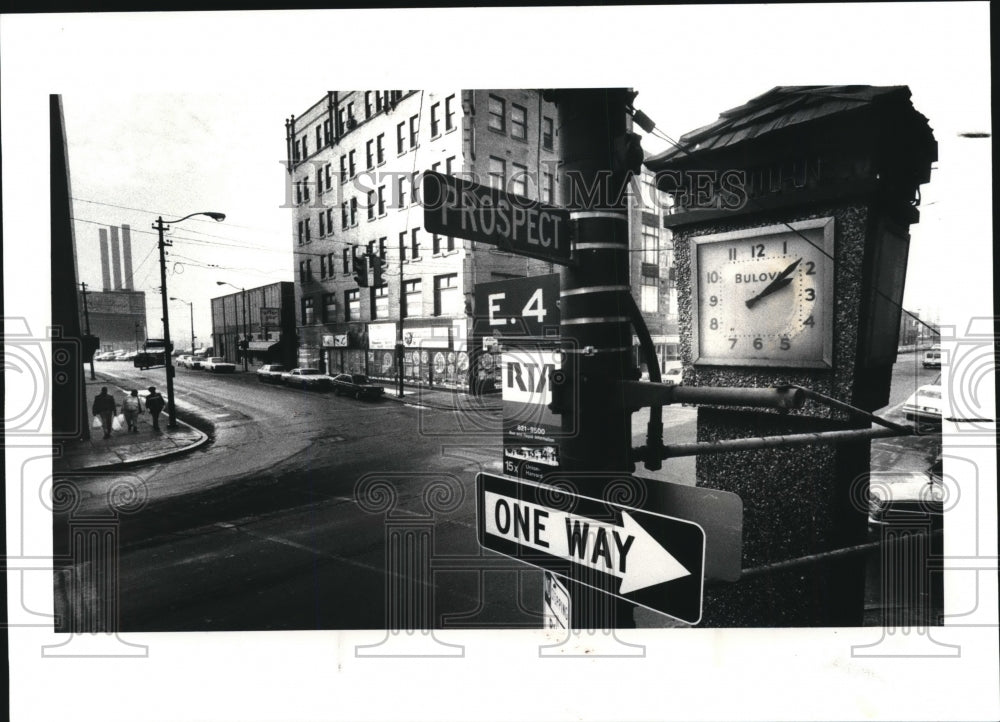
(124, 448)
(443, 399)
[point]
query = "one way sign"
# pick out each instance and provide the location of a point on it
(649, 559)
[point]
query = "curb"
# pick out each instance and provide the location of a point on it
(157, 456)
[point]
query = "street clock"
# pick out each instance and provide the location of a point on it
(764, 296)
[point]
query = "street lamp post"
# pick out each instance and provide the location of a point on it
(160, 226)
(191, 309)
(246, 337)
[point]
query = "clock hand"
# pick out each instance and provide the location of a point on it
(780, 281)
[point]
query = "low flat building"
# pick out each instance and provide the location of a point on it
(263, 317)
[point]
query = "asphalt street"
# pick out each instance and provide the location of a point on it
(313, 511)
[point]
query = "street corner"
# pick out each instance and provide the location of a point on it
(125, 449)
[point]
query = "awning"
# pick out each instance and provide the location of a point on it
(262, 345)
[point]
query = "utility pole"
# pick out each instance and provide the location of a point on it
(594, 321)
(86, 319)
(167, 360)
(246, 337)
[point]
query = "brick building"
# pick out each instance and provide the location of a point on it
(117, 318)
(352, 160)
(265, 314)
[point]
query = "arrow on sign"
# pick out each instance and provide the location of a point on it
(628, 551)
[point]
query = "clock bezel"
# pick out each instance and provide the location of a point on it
(825, 360)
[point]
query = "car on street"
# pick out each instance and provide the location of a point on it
(196, 362)
(911, 499)
(218, 365)
(925, 404)
(932, 357)
(271, 373)
(306, 378)
(182, 359)
(357, 385)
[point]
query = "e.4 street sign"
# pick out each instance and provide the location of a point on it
(649, 559)
(460, 207)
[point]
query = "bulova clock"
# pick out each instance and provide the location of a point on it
(764, 296)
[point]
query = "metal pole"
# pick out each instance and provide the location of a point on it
(845, 436)
(86, 317)
(246, 338)
(167, 360)
(191, 309)
(594, 324)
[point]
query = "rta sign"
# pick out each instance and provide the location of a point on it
(526, 375)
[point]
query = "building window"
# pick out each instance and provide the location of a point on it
(347, 260)
(308, 312)
(352, 305)
(380, 302)
(402, 245)
(435, 122)
(340, 121)
(412, 301)
(414, 127)
(400, 137)
(381, 201)
(371, 205)
(322, 266)
(368, 104)
(343, 169)
(378, 101)
(649, 294)
(327, 137)
(449, 165)
(302, 271)
(308, 232)
(351, 164)
(650, 244)
(301, 232)
(327, 175)
(401, 191)
(305, 147)
(380, 148)
(518, 122)
(414, 244)
(344, 221)
(519, 179)
(548, 192)
(309, 270)
(354, 212)
(329, 307)
(435, 244)
(497, 114)
(498, 173)
(329, 221)
(447, 295)
(370, 154)
(449, 113)
(547, 131)
(451, 243)
(322, 225)
(381, 248)
(351, 122)
(319, 137)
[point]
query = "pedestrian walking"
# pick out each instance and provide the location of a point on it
(105, 407)
(155, 404)
(132, 407)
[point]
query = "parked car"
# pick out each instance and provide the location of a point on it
(218, 365)
(932, 357)
(356, 385)
(906, 499)
(306, 378)
(197, 362)
(271, 373)
(925, 404)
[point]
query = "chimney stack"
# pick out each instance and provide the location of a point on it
(127, 254)
(105, 267)
(116, 259)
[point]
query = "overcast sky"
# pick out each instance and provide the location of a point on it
(179, 113)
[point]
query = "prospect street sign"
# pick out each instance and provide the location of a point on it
(459, 207)
(649, 559)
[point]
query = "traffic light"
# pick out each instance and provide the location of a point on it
(377, 266)
(360, 264)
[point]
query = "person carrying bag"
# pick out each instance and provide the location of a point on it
(132, 407)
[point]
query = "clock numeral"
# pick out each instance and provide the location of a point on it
(785, 343)
(732, 342)
(714, 324)
(713, 301)
(732, 254)
(757, 251)
(810, 268)
(713, 277)
(809, 322)
(758, 343)
(810, 294)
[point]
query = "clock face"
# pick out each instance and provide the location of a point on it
(764, 296)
